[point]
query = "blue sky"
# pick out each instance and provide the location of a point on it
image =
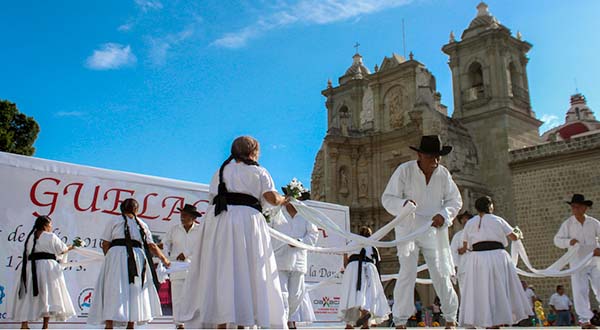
(162, 87)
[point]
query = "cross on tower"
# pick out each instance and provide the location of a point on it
(356, 46)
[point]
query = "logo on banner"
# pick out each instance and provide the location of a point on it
(2, 294)
(327, 301)
(85, 299)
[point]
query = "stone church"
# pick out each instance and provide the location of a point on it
(373, 118)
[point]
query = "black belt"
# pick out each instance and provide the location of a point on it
(38, 256)
(121, 242)
(235, 199)
(488, 246)
(41, 256)
(360, 258)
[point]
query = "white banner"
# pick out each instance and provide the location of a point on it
(80, 200)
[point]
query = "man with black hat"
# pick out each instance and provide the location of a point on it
(457, 243)
(582, 231)
(179, 243)
(429, 186)
(292, 261)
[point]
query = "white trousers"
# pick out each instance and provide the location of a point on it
(292, 289)
(176, 298)
(580, 282)
(404, 291)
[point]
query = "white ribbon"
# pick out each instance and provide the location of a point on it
(555, 270)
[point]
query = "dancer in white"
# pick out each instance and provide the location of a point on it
(305, 314)
(180, 242)
(491, 295)
(42, 292)
(127, 289)
(429, 186)
(457, 243)
(292, 261)
(235, 279)
(582, 230)
(363, 300)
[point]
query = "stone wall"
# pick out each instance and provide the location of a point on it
(544, 177)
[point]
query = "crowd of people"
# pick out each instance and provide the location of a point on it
(239, 277)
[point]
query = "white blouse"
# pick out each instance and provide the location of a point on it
(245, 179)
(490, 227)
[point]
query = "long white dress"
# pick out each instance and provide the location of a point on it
(370, 297)
(53, 299)
(233, 278)
(114, 297)
(305, 314)
(492, 293)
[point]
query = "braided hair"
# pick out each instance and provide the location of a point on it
(40, 223)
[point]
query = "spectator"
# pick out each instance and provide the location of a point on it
(561, 305)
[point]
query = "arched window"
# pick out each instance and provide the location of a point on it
(475, 75)
(514, 80)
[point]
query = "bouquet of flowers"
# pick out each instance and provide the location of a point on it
(77, 242)
(295, 189)
(517, 231)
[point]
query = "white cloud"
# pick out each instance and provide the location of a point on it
(550, 121)
(159, 47)
(309, 12)
(147, 5)
(70, 114)
(126, 27)
(111, 56)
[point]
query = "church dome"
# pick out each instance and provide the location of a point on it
(578, 120)
(482, 22)
(357, 67)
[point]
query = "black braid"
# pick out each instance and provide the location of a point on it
(23, 284)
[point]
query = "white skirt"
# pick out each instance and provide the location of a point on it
(53, 299)
(233, 277)
(116, 299)
(370, 297)
(305, 313)
(491, 291)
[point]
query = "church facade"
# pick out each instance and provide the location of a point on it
(373, 118)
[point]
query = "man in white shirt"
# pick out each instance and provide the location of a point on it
(560, 304)
(583, 231)
(179, 243)
(457, 243)
(429, 186)
(292, 261)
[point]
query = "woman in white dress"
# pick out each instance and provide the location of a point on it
(42, 292)
(363, 300)
(492, 294)
(127, 287)
(233, 281)
(305, 314)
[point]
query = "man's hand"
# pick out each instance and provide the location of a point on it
(438, 221)
(597, 252)
(409, 201)
(573, 242)
(181, 257)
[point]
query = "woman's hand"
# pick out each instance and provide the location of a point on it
(462, 250)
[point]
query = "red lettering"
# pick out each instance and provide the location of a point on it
(34, 199)
(92, 207)
(118, 199)
(204, 208)
(178, 203)
(145, 208)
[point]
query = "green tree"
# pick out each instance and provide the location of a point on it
(17, 131)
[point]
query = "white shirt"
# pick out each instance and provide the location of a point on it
(455, 244)
(587, 234)
(293, 258)
(440, 196)
(245, 179)
(115, 228)
(560, 303)
(178, 240)
(490, 227)
(530, 297)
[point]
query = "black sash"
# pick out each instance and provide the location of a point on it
(123, 242)
(38, 256)
(487, 246)
(225, 198)
(360, 258)
(230, 198)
